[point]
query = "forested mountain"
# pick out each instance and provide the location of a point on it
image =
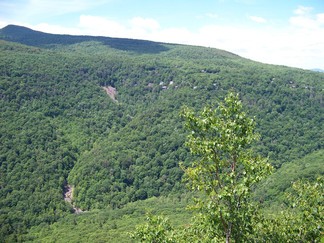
(102, 115)
(36, 38)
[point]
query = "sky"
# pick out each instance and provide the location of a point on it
(282, 32)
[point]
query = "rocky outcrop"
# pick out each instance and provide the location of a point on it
(111, 92)
(68, 197)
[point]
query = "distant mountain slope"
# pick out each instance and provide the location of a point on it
(306, 168)
(31, 37)
(318, 70)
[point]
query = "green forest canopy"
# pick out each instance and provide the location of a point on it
(58, 125)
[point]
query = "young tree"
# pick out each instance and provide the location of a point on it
(226, 169)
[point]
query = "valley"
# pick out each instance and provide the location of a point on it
(96, 121)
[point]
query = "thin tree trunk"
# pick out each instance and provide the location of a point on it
(228, 233)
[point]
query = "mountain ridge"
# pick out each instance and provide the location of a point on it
(28, 36)
(32, 37)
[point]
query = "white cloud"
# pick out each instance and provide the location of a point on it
(97, 25)
(320, 18)
(304, 19)
(212, 15)
(59, 7)
(29, 10)
(247, 2)
(257, 19)
(303, 22)
(136, 27)
(144, 23)
(55, 29)
(302, 10)
(142, 28)
(174, 35)
(3, 23)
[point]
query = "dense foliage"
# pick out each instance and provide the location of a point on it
(110, 225)
(58, 125)
(300, 221)
(225, 173)
(272, 190)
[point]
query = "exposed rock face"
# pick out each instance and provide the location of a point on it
(68, 196)
(111, 92)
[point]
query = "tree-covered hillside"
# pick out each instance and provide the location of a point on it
(273, 189)
(60, 127)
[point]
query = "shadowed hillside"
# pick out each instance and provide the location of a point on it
(31, 37)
